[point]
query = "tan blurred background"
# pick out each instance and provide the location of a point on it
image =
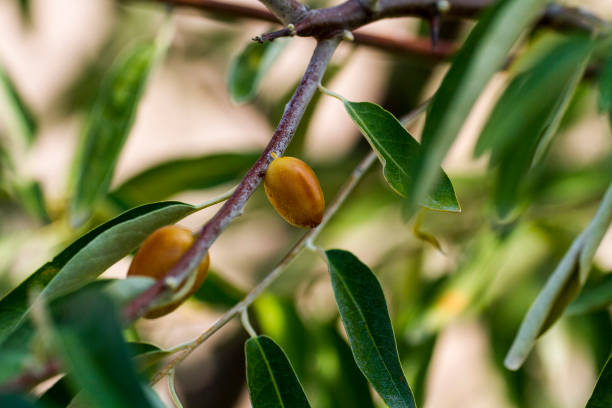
(186, 111)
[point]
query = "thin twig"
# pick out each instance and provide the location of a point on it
(308, 238)
(233, 207)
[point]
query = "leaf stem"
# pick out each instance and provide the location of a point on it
(234, 205)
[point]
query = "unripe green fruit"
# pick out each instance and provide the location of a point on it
(158, 254)
(294, 191)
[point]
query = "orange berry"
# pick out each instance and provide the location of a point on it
(294, 191)
(158, 254)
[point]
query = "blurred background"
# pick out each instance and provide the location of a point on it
(455, 311)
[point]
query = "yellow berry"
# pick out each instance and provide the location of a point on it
(158, 254)
(294, 191)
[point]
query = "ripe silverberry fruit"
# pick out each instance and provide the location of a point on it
(294, 191)
(158, 254)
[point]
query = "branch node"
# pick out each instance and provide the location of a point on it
(443, 6)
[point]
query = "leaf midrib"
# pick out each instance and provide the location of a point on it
(342, 281)
(276, 389)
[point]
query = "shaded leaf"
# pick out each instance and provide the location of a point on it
(19, 118)
(16, 401)
(89, 339)
(219, 293)
(596, 297)
(88, 256)
(174, 176)
(527, 115)
(562, 286)
(398, 151)
(107, 129)
(363, 310)
(602, 394)
(250, 66)
(270, 377)
(605, 87)
(32, 198)
(16, 351)
(482, 54)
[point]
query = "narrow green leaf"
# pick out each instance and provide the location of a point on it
(596, 297)
(90, 342)
(89, 256)
(31, 196)
(364, 313)
(171, 177)
(270, 377)
(562, 286)
(398, 151)
(482, 54)
(527, 115)
(602, 394)
(605, 87)
(16, 114)
(218, 292)
(250, 66)
(107, 128)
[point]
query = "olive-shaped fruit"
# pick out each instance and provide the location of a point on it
(158, 254)
(294, 191)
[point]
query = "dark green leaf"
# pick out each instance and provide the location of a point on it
(602, 394)
(270, 377)
(482, 54)
(562, 286)
(89, 256)
(605, 87)
(398, 151)
(166, 179)
(90, 342)
(219, 293)
(250, 66)
(596, 297)
(16, 401)
(107, 129)
(58, 396)
(18, 117)
(363, 310)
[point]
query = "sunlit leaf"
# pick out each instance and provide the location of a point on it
(562, 286)
(250, 66)
(364, 313)
(89, 256)
(397, 151)
(482, 54)
(270, 377)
